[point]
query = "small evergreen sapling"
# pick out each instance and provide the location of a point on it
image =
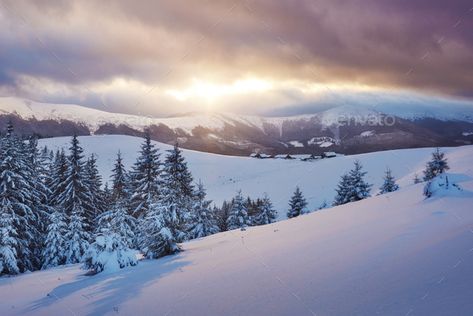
(389, 184)
(437, 165)
(297, 204)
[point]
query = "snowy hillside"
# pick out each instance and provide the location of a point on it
(224, 175)
(395, 254)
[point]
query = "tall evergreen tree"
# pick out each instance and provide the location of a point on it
(16, 201)
(57, 183)
(38, 177)
(238, 216)
(94, 185)
(177, 186)
(389, 184)
(145, 178)
(437, 165)
(203, 219)
(119, 180)
(266, 213)
(8, 241)
(297, 204)
(77, 202)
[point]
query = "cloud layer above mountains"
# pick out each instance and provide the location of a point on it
(162, 57)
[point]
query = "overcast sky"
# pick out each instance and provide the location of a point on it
(253, 57)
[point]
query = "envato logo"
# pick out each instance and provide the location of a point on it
(360, 120)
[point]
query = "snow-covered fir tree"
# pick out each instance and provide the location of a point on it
(178, 190)
(343, 188)
(39, 177)
(352, 186)
(437, 165)
(389, 183)
(118, 220)
(238, 215)
(297, 204)
(252, 208)
(119, 180)
(161, 230)
(94, 184)
(77, 202)
(58, 171)
(266, 213)
(17, 195)
(203, 217)
(360, 189)
(221, 215)
(54, 250)
(8, 241)
(113, 246)
(109, 253)
(144, 178)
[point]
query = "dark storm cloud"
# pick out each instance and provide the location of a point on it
(424, 45)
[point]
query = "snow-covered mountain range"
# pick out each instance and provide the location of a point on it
(346, 129)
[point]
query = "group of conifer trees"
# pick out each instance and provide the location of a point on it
(54, 208)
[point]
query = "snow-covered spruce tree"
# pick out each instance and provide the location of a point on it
(222, 213)
(343, 188)
(266, 213)
(8, 241)
(112, 248)
(161, 230)
(352, 186)
(109, 253)
(38, 176)
(389, 184)
(118, 220)
(16, 201)
(437, 165)
(360, 189)
(94, 184)
(58, 171)
(120, 185)
(144, 178)
(76, 202)
(54, 246)
(238, 216)
(178, 190)
(107, 195)
(203, 217)
(297, 204)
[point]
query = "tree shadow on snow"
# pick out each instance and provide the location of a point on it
(105, 292)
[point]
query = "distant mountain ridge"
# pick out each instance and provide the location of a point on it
(345, 129)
